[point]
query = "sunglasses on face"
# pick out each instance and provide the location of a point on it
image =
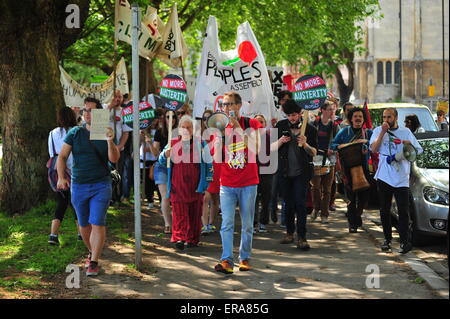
(228, 104)
(181, 113)
(86, 110)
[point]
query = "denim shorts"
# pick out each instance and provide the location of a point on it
(160, 174)
(91, 201)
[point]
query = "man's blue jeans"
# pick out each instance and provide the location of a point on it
(295, 190)
(229, 198)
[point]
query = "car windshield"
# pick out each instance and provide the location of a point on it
(435, 154)
(424, 115)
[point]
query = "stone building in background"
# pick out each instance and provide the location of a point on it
(405, 54)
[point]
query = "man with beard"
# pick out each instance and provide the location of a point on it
(357, 134)
(393, 176)
(295, 154)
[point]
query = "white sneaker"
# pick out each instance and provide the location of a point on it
(324, 219)
(262, 228)
(314, 215)
(151, 205)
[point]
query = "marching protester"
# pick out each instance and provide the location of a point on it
(211, 200)
(393, 176)
(412, 122)
(66, 119)
(441, 120)
(355, 133)
(160, 171)
(295, 153)
(283, 97)
(190, 174)
(238, 181)
(321, 182)
(265, 180)
(122, 134)
(91, 187)
(346, 108)
(147, 160)
(338, 121)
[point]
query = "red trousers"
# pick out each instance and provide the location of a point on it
(187, 221)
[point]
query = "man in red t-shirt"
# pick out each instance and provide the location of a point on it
(238, 181)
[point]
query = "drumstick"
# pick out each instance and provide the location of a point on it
(169, 136)
(304, 123)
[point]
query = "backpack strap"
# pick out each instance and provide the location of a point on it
(246, 123)
(53, 145)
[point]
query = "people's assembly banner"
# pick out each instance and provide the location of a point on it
(74, 93)
(242, 69)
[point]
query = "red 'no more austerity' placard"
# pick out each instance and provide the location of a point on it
(310, 92)
(173, 92)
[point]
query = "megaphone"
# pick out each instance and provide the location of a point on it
(408, 153)
(218, 120)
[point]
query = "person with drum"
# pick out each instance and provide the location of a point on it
(295, 153)
(324, 162)
(393, 176)
(353, 145)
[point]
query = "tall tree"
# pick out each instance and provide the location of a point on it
(33, 35)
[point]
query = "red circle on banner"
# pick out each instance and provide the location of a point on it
(247, 52)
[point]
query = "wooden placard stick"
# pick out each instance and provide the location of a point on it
(170, 136)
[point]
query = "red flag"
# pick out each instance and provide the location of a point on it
(368, 122)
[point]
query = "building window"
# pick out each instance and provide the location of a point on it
(380, 73)
(397, 72)
(388, 72)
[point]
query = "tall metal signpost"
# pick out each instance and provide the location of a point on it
(136, 23)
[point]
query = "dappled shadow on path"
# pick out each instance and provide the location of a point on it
(335, 267)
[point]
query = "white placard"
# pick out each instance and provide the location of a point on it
(99, 124)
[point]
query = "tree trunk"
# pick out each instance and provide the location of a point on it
(30, 94)
(345, 90)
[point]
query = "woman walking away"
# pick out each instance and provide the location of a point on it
(66, 119)
(211, 201)
(189, 176)
(160, 171)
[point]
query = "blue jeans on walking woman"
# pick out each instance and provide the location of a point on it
(229, 198)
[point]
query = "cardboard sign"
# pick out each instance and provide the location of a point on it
(99, 124)
(173, 92)
(146, 115)
(310, 92)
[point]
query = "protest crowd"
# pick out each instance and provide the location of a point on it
(205, 172)
(233, 151)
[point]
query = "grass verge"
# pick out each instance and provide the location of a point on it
(25, 255)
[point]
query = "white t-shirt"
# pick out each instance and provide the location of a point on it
(397, 174)
(58, 134)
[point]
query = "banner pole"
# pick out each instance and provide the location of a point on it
(147, 64)
(136, 135)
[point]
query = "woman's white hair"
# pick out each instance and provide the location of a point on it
(186, 118)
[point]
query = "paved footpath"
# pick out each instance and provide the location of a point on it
(337, 266)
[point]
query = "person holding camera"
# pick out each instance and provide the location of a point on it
(295, 153)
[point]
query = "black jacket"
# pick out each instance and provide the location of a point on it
(305, 158)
